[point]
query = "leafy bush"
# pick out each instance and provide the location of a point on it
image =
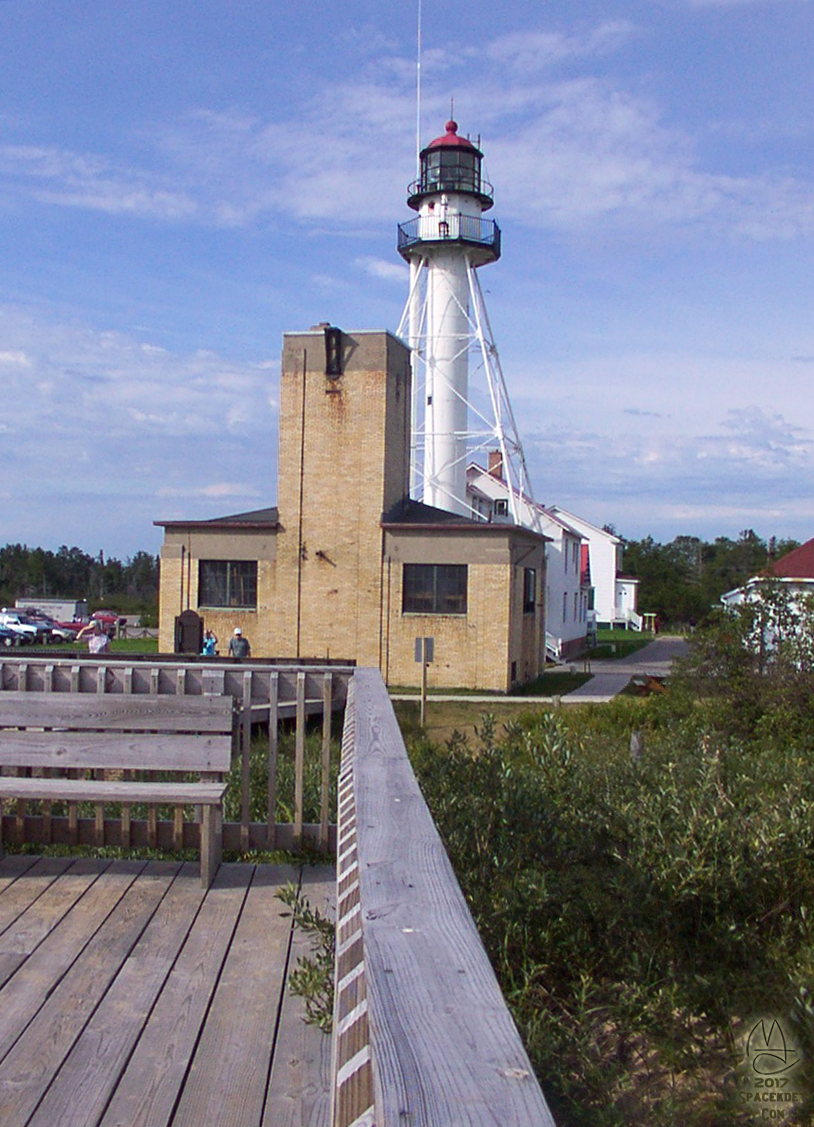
(637, 909)
(258, 786)
(313, 977)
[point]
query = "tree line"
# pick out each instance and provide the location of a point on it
(129, 585)
(683, 581)
(680, 581)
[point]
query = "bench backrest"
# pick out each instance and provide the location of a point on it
(127, 732)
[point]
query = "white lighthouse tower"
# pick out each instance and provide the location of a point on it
(446, 323)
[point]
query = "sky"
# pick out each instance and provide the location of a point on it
(181, 183)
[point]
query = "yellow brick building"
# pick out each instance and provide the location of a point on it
(347, 567)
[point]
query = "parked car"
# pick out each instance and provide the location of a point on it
(57, 632)
(26, 631)
(110, 620)
(8, 637)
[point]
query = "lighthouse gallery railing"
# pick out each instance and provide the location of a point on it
(450, 228)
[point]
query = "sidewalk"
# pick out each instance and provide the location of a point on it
(607, 677)
(610, 677)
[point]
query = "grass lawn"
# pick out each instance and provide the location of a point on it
(117, 646)
(612, 644)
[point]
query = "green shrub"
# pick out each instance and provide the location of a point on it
(258, 787)
(636, 910)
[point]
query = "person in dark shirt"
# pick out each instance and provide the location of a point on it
(238, 645)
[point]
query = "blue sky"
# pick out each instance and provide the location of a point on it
(181, 183)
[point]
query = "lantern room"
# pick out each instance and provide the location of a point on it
(450, 164)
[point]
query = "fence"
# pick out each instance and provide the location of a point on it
(266, 694)
(423, 1035)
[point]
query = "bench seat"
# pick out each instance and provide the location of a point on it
(111, 790)
(43, 735)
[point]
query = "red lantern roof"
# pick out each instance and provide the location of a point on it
(451, 139)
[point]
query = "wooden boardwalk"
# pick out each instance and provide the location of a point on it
(131, 997)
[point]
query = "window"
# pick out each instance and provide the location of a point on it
(529, 589)
(434, 589)
(451, 169)
(501, 507)
(227, 583)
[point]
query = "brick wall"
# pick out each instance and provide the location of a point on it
(343, 460)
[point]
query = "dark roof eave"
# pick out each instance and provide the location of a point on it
(471, 528)
(222, 523)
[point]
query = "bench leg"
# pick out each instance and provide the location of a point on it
(211, 843)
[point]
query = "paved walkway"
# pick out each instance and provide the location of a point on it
(610, 677)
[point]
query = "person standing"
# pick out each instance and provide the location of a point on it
(238, 645)
(98, 640)
(210, 644)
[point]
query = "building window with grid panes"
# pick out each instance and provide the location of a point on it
(228, 583)
(434, 589)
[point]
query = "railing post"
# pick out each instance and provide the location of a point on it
(274, 740)
(299, 761)
(325, 792)
(246, 761)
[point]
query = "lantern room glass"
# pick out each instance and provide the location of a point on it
(450, 170)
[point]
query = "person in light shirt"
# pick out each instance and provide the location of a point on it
(98, 641)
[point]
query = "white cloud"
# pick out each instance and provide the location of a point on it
(92, 182)
(118, 409)
(755, 462)
(567, 152)
(18, 359)
(383, 268)
(530, 51)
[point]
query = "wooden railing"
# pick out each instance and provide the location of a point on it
(266, 693)
(422, 1032)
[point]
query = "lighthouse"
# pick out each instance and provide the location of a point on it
(446, 324)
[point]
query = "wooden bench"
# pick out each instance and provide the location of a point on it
(90, 734)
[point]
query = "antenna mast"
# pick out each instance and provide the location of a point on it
(418, 96)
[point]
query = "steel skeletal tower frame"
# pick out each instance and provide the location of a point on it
(446, 322)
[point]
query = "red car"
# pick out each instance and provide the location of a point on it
(108, 618)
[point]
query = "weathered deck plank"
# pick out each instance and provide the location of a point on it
(135, 998)
(24, 994)
(12, 867)
(28, 1068)
(24, 891)
(44, 914)
(299, 1094)
(158, 1068)
(233, 1059)
(90, 1073)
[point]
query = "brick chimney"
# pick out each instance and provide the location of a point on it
(495, 464)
